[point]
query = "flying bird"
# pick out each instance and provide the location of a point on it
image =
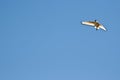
(95, 24)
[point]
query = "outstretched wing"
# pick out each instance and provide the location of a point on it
(88, 23)
(102, 27)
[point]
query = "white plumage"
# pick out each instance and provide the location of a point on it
(94, 24)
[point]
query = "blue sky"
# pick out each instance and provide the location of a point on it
(44, 40)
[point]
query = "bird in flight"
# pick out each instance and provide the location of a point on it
(95, 24)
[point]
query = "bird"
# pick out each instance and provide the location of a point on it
(94, 24)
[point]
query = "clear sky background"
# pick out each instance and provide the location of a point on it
(44, 40)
